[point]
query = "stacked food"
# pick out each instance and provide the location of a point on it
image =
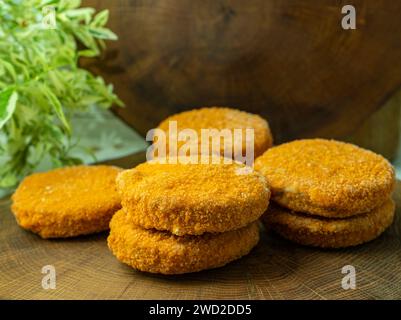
(327, 193)
(179, 218)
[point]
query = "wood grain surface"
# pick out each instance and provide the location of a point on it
(275, 269)
(289, 61)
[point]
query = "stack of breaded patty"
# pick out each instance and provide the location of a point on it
(179, 218)
(327, 193)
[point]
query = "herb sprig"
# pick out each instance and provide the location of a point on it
(41, 83)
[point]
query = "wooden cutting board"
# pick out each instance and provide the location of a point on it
(275, 269)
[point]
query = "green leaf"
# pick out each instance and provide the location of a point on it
(69, 4)
(88, 53)
(101, 19)
(8, 102)
(56, 81)
(10, 69)
(58, 108)
(86, 38)
(81, 14)
(103, 33)
(9, 180)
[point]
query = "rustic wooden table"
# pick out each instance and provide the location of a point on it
(275, 269)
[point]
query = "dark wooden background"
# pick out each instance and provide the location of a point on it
(288, 60)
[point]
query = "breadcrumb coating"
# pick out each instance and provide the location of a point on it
(193, 198)
(329, 233)
(67, 202)
(326, 177)
(223, 118)
(161, 252)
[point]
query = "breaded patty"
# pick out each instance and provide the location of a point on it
(67, 202)
(193, 198)
(329, 233)
(223, 118)
(326, 177)
(161, 252)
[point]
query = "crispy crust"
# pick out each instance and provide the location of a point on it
(193, 198)
(161, 252)
(224, 118)
(326, 177)
(67, 202)
(326, 232)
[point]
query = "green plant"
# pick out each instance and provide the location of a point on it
(41, 83)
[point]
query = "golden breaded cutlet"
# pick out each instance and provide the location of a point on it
(223, 118)
(326, 177)
(329, 233)
(190, 199)
(67, 202)
(161, 252)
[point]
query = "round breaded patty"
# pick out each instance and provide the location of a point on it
(161, 252)
(329, 233)
(67, 202)
(326, 177)
(223, 118)
(193, 198)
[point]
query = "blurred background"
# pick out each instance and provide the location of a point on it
(289, 61)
